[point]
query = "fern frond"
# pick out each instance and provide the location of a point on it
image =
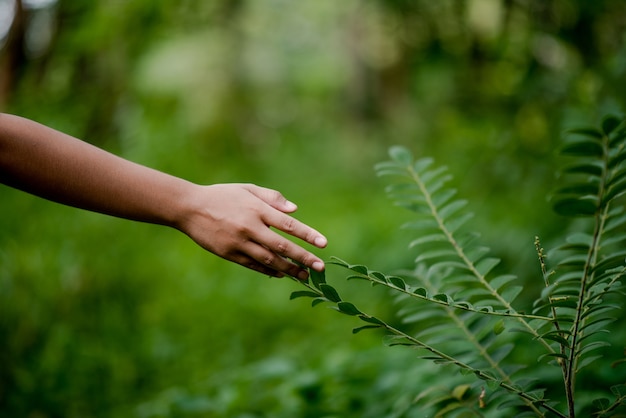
(464, 268)
(590, 264)
(533, 399)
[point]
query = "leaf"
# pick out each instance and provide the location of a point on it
(511, 293)
(601, 404)
(428, 239)
(357, 277)
(593, 168)
(430, 175)
(615, 222)
(442, 297)
(430, 255)
(609, 124)
(451, 208)
(378, 276)
(359, 269)
(583, 149)
(371, 320)
(452, 225)
(618, 137)
(422, 164)
(500, 281)
(575, 207)
(303, 293)
(582, 238)
(348, 308)
(619, 390)
(557, 355)
(590, 132)
(317, 277)
(599, 308)
(499, 327)
(421, 224)
(617, 159)
(613, 261)
(330, 293)
(420, 291)
(587, 361)
(394, 340)
(359, 329)
(558, 336)
(576, 260)
(582, 189)
(339, 262)
(397, 282)
(597, 325)
(401, 155)
(466, 306)
(443, 197)
(390, 169)
(502, 352)
(592, 346)
(615, 190)
(486, 265)
(460, 391)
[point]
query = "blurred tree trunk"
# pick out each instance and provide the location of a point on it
(13, 55)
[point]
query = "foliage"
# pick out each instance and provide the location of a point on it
(104, 318)
(461, 311)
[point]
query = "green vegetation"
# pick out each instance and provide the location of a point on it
(469, 305)
(101, 317)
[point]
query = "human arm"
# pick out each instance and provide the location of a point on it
(230, 220)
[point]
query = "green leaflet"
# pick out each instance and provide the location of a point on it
(317, 278)
(330, 293)
(348, 308)
(609, 124)
(303, 293)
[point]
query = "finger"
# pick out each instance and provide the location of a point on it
(295, 228)
(273, 198)
(252, 264)
(282, 248)
(275, 260)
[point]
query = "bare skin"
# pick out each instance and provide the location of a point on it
(233, 221)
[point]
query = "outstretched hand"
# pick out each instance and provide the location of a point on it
(234, 221)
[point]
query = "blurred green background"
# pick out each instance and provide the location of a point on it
(101, 317)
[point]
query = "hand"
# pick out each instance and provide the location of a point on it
(233, 221)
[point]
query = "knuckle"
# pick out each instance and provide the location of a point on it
(275, 195)
(307, 259)
(268, 260)
(282, 248)
(289, 224)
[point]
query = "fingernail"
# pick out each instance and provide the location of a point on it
(318, 266)
(320, 241)
(303, 275)
(290, 206)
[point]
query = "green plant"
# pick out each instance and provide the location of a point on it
(462, 311)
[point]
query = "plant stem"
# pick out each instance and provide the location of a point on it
(592, 254)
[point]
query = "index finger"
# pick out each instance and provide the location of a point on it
(294, 227)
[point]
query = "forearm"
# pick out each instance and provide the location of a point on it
(58, 167)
